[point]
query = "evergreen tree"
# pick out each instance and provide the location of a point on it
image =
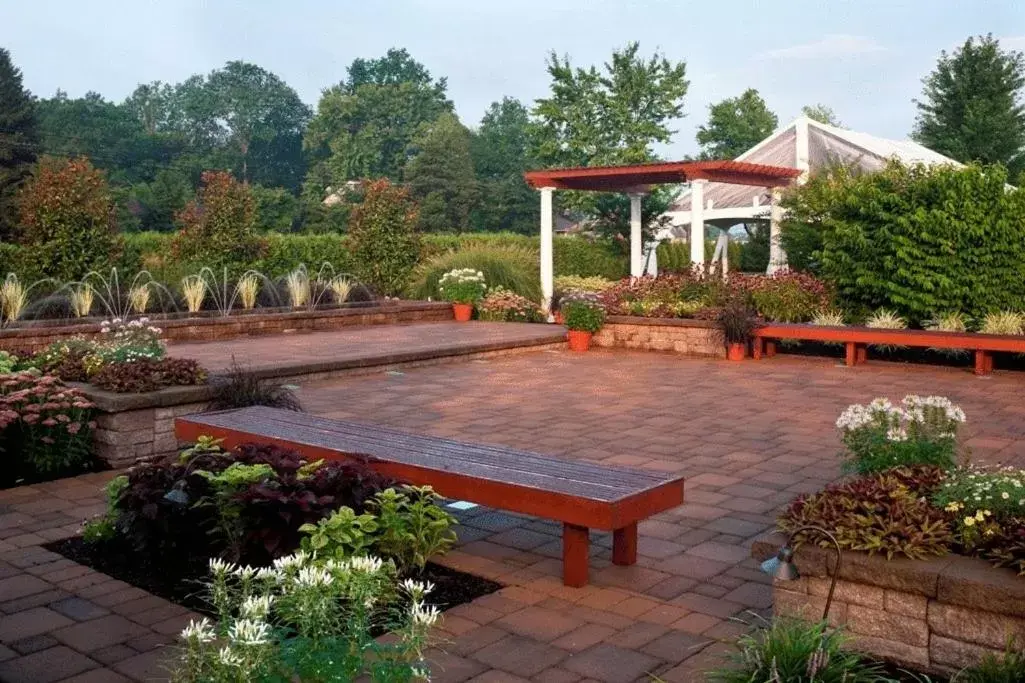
(19, 141)
(973, 105)
(440, 176)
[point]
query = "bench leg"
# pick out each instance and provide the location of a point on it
(850, 354)
(575, 551)
(861, 354)
(757, 348)
(624, 545)
(983, 362)
(770, 347)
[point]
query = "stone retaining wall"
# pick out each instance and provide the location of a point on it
(31, 337)
(936, 616)
(689, 337)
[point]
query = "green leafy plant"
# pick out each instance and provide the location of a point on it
(795, 651)
(462, 286)
(382, 232)
(8, 362)
(885, 512)
(570, 283)
(309, 620)
(787, 296)
(225, 487)
(583, 316)
(919, 431)
(405, 525)
(1008, 667)
(217, 228)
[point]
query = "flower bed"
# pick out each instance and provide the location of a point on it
(922, 527)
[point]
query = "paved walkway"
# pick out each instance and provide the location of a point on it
(368, 345)
(748, 436)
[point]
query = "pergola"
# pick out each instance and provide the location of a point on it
(635, 181)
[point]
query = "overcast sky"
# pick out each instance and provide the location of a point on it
(863, 58)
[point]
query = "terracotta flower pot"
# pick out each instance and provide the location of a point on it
(558, 318)
(736, 351)
(579, 340)
(463, 312)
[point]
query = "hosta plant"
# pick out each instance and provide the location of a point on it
(918, 431)
(462, 285)
(309, 620)
(885, 512)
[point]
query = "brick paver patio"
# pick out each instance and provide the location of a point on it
(749, 436)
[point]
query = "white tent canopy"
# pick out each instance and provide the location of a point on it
(804, 144)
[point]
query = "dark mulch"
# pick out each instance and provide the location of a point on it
(183, 583)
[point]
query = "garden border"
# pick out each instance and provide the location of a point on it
(938, 615)
(687, 336)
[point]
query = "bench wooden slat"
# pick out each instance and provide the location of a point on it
(581, 495)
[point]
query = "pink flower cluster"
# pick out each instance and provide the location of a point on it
(33, 399)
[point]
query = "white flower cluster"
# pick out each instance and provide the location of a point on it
(461, 275)
(916, 415)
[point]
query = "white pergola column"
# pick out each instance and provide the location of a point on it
(547, 261)
(777, 257)
(697, 222)
(636, 248)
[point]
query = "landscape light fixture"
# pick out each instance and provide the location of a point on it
(782, 566)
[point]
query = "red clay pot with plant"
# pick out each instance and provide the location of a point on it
(579, 340)
(736, 351)
(737, 321)
(583, 318)
(463, 312)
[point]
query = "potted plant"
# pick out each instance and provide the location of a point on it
(463, 287)
(583, 318)
(737, 322)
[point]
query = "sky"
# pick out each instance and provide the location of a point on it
(865, 59)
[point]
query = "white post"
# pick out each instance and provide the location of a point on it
(803, 153)
(636, 249)
(777, 257)
(697, 222)
(547, 262)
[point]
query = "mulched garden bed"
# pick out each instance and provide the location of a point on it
(183, 584)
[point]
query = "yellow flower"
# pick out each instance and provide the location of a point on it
(969, 521)
(953, 507)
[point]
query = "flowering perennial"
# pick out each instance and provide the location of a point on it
(920, 430)
(506, 306)
(310, 620)
(462, 285)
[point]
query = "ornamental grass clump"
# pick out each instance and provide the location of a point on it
(949, 322)
(248, 287)
(504, 306)
(305, 619)
(13, 297)
(139, 296)
(297, 283)
(462, 286)
(1003, 322)
(919, 431)
(796, 651)
(81, 300)
(194, 292)
(885, 319)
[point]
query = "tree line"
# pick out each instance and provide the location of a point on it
(391, 118)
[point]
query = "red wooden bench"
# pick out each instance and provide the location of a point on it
(856, 340)
(581, 495)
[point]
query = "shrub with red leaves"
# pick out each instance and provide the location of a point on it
(146, 374)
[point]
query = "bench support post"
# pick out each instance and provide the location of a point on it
(624, 545)
(575, 551)
(757, 346)
(770, 347)
(850, 354)
(861, 354)
(983, 362)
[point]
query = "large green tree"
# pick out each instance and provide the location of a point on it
(973, 105)
(501, 153)
(440, 175)
(735, 125)
(19, 141)
(822, 114)
(364, 126)
(610, 116)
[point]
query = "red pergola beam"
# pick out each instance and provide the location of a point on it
(624, 178)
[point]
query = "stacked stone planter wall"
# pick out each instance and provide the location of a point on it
(34, 336)
(936, 616)
(689, 337)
